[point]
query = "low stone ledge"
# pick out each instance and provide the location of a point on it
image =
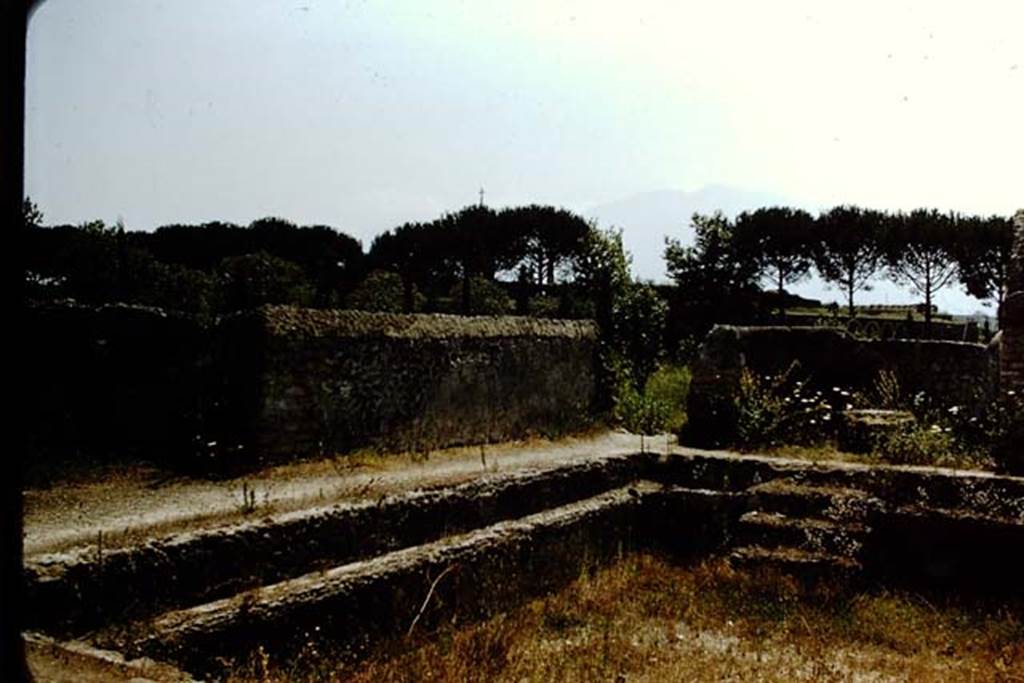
(471, 575)
(73, 592)
(860, 430)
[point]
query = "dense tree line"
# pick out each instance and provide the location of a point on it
(848, 247)
(202, 269)
(530, 260)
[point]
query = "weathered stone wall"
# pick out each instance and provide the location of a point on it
(301, 381)
(1011, 353)
(957, 372)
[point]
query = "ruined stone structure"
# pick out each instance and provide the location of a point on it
(281, 381)
(1011, 356)
(302, 381)
(959, 372)
(354, 573)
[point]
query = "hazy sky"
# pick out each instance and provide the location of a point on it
(363, 115)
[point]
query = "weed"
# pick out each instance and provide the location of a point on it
(670, 386)
(660, 407)
(783, 409)
(887, 392)
(248, 505)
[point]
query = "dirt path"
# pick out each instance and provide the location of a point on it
(131, 505)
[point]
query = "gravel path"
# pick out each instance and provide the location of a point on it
(132, 505)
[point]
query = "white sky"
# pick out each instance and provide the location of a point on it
(363, 115)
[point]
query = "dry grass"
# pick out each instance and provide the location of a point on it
(647, 619)
(827, 452)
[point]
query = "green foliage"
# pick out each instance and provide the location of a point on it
(670, 385)
(714, 266)
(638, 324)
(776, 410)
(775, 240)
(175, 287)
(543, 307)
(641, 413)
(660, 407)
(31, 216)
(919, 445)
(849, 249)
(614, 379)
(715, 281)
(545, 241)
(920, 252)
(485, 297)
(602, 263)
(993, 428)
(381, 291)
(983, 251)
(887, 392)
(631, 315)
(256, 279)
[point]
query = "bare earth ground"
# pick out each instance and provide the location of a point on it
(130, 504)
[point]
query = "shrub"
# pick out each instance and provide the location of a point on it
(917, 445)
(381, 291)
(638, 325)
(887, 390)
(782, 409)
(659, 408)
(486, 297)
(984, 432)
(1004, 421)
(641, 413)
(543, 307)
(670, 385)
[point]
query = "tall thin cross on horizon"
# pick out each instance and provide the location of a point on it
(481, 196)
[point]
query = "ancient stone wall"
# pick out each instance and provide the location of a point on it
(302, 381)
(954, 372)
(1011, 353)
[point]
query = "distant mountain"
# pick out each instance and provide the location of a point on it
(647, 218)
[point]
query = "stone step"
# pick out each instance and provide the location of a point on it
(801, 564)
(775, 530)
(806, 500)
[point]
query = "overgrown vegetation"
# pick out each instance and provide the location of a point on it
(660, 407)
(695, 623)
(772, 412)
(782, 409)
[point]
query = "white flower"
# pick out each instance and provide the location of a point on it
(953, 410)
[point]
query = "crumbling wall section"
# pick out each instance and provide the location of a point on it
(956, 372)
